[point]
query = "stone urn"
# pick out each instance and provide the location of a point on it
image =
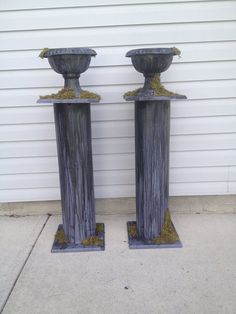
(79, 231)
(153, 227)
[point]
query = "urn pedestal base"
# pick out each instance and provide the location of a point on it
(68, 247)
(138, 243)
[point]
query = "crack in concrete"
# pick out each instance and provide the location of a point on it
(23, 265)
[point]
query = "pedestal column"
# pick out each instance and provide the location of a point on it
(79, 231)
(73, 133)
(153, 227)
(152, 130)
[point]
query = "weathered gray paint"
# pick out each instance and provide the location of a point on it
(73, 133)
(152, 137)
(70, 62)
(152, 130)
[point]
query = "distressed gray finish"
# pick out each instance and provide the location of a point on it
(150, 61)
(68, 101)
(73, 133)
(154, 98)
(70, 62)
(152, 131)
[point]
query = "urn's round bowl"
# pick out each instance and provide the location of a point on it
(150, 61)
(69, 60)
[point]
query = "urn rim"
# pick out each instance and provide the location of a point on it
(150, 51)
(70, 51)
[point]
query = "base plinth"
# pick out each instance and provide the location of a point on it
(67, 247)
(137, 243)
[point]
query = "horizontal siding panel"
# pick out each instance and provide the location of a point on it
(28, 149)
(232, 174)
(120, 35)
(111, 129)
(120, 145)
(123, 75)
(114, 94)
(43, 194)
(47, 4)
(203, 107)
(203, 142)
(122, 161)
(48, 148)
(232, 187)
(121, 177)
(122, 111)
(119, 15)
(49, 164)
(44, 113)
(203, 158)
(199, 188)
(27, 195)
(113, 56)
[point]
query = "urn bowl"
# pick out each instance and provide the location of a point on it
(150, 61)
(68, 61)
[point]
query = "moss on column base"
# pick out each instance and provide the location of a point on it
(168, 234)
(93, 243)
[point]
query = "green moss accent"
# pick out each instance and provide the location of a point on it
(176, 51)
(68, 93)
(132, 93)
(168, 233)
(99, 228)
(60, 237)
(92, 241)
(158, 88)
(43, 52)
(87, 95)
(95, 240)
(133, 231)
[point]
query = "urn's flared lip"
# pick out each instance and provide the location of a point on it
(70, 51)
(152, 51)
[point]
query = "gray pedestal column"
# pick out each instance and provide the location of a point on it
(153, 228)
(73, 133)
(152, 137)
(79, 231)
(152, 130)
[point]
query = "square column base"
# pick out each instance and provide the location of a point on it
(67, 247)
(136, 243)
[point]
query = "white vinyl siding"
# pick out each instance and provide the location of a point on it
(203, 128)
